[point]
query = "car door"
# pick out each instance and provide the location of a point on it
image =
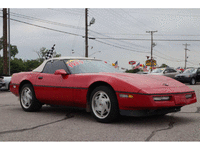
(198, 75)
(49, 87)
(170, 73)
(167, 73)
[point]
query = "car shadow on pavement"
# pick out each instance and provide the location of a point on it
(155, 120)
(122, 120)
(150, 120)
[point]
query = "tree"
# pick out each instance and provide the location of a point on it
(13, 48)
(13, 51)
(42, 53)
(31, 64)
(132, 71)
(163, 66)
(16, 65)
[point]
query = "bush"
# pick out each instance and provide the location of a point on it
(133, 71)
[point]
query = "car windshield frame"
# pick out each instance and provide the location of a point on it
(190, 70)
(78, 66)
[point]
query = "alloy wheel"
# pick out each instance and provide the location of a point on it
(26, 97)
(101, 104)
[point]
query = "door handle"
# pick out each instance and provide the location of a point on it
(40, 77)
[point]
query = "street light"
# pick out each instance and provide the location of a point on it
(92, 21)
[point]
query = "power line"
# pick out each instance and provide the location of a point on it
(132, 39)
(72, 34)
(46, 28)
(45, 21)
(134, 18)
(172, 58)
(121, 39)
(121, 47)
(117, 42)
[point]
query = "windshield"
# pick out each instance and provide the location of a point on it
(191, 70)
(158, 70)
(89, 66)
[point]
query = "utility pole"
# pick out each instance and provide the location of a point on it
(5, 62)
(186, 53)
(152, 45)
(86, 32)
(9, 48)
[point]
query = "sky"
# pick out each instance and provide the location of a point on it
(119, 32)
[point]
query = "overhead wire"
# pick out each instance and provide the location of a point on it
(45, 21)
(96, 38)
(56, 29)
(120, 47)
(46, 28)
(110, 23)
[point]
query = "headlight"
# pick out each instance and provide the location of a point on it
(161, 98)
(188, 96)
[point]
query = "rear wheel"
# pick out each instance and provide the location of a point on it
(104, 105)
(28, 100)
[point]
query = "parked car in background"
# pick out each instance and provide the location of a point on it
(169, 72)
(5, 82)
(190, 75)
(1, 82)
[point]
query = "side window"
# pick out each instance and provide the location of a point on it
(198, 70)
(58, 64)
(47, 67)
(167, 71)
(172, 70)
(52, 66)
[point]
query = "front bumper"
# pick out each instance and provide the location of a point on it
(151, 112)
(140, 104)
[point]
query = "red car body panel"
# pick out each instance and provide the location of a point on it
(72, 89)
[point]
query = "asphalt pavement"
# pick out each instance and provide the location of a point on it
(67, 124)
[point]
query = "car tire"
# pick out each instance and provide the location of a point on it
(28, 100)
(193, 81)
(104, 105)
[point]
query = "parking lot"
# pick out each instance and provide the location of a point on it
(67, 124)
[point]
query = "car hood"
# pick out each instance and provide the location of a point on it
(152, 83)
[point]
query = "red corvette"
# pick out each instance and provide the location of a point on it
(100, 88)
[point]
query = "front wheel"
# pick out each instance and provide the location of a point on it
(104, 105)
(28, 100)
(193, 81)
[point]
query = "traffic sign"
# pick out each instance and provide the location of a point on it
(132, 62)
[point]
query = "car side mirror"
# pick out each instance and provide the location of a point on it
(60, 72)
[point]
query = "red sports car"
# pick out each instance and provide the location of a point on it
(100, 88)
